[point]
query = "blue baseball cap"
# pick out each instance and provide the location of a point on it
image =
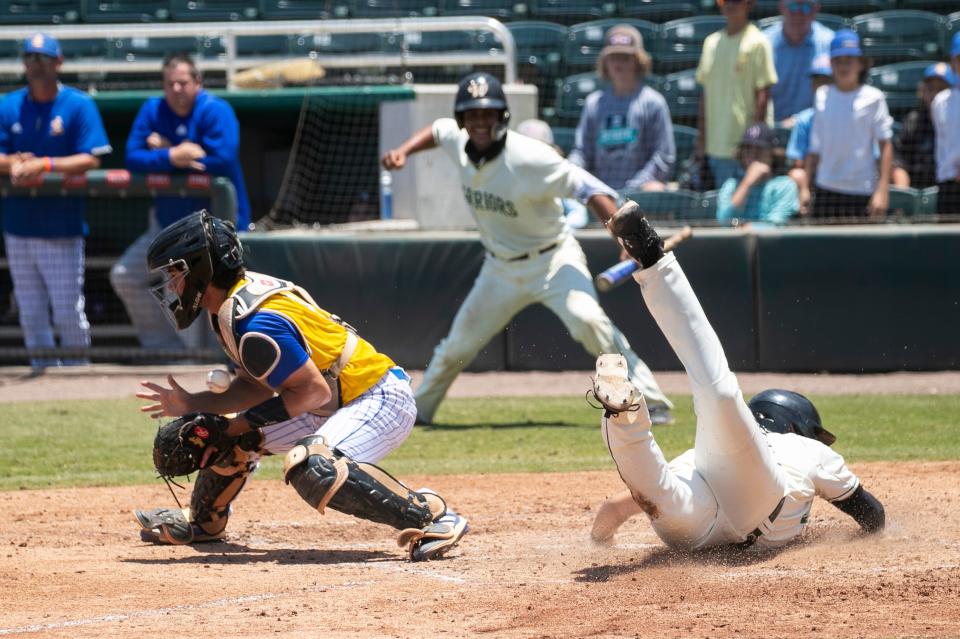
(845, 43)
(43, 44)
(955, 45)
(821, 66)
(941, 70)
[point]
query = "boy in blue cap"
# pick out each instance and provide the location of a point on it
(45, 127)
(914, 146)
(945, 112)
(850, 120)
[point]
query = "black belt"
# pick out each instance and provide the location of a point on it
(527, 256)
(757, 533)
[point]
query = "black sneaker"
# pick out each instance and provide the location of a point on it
(637, 236)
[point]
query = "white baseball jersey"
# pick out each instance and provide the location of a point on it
(515, 197)
(736, 476)
(531, 258)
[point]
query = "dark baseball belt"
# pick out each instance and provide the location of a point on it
(757, 533)
(527, 256)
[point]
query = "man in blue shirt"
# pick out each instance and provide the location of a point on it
(185, 131)
(821, 73)
(796, 41)
(48, 127)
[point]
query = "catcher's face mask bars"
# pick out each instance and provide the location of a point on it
(173, 280)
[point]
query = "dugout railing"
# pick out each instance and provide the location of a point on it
(118, 204)
(230, 61)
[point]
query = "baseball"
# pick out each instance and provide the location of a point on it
(218, 380)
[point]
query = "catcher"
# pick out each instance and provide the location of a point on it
(307, 386)
(755, 469)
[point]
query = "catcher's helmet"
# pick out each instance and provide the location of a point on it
(482, 91)
(783, 411)
(190, 254)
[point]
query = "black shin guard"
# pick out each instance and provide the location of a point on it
(216, 488)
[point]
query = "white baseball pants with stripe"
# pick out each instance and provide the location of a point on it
(47, 276)
(558, 279)
(730, 482)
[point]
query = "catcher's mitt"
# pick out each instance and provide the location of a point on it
(180, 446)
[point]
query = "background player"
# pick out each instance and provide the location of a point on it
(754, 470)
(307, 385)
(514, 187)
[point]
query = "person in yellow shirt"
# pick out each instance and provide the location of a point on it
(736, 72)
(307, 386)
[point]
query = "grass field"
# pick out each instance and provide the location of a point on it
(108, 442)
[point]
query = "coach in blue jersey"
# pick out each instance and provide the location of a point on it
(185, 131)
(48, 127)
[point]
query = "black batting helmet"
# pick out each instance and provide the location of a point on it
(189, 255)
(783, 411)
(481, 91)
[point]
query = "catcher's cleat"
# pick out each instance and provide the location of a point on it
(612, 386)
(635, 233)
(170, 526)
(437, 538)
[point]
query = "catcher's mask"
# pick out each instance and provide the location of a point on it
(783, 411)
(482, 91)
(189, 255)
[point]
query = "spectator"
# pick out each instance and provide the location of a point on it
(625, 136)
(945, 112)
(187, 130)
(849, 120)
(796, 41)
(820, 75)
(574, 212)
(757, 196)
(914, 146)
(48, 127)
(736, 72)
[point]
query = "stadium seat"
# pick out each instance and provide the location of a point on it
(585, 40)
(325, 43)
(212, 10)
(212, 47)
(124, 11)
(39, 12)
(563, 137)
(297, 10)
(892, 36)
(829, 20)
(493, 8)
(936, 6)
(904, 201)
(684, 138)
(84, 48)
(572, 93)
(899, 83)
(150, 48)
(669, 205)
(928, 201)
(9, 49)
(391, 8)
(682, 94)
(765, 9)
(682, 40)
(439, 41)
(659, 10)
(854, 7)
(539, 55)
(572, 11)
(708, 204)
(263, 45)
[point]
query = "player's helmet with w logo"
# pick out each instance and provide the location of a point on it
(783, 411)
(188, 255)
(481, 91)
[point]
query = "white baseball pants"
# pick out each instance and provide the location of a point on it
(558, 279)
(730, 483)
(47, 276)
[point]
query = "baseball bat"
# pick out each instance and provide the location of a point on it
(620, 272)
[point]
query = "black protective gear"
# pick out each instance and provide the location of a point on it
(865, 509)
(199, 249)
(482, 91)
(639, 239)
(783, 411)
(325, 477)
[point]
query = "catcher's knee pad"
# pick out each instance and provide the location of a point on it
(216, 488)
(325, 477)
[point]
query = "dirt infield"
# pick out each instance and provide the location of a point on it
(72, 565)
